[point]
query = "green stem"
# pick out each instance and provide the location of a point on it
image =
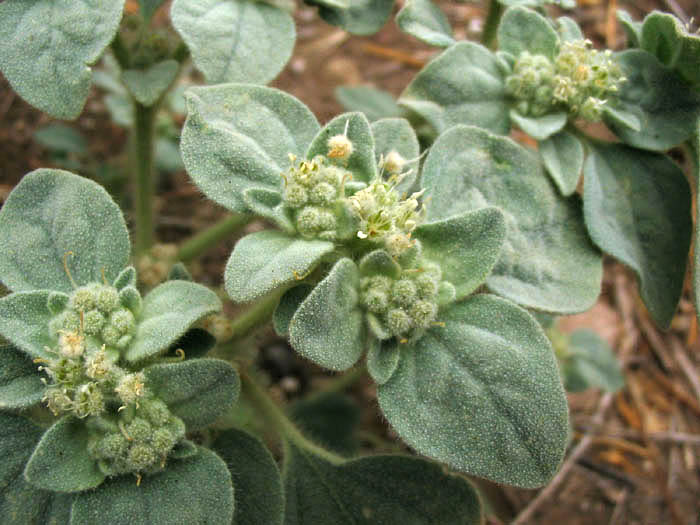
(144, 123)
(344, 381)
(277, 419)
(204, 240)
(257, 315)
(488, 36)
(120, 52)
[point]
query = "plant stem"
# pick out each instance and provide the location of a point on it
(256, 316)
(344, 381)
(277, 419)
(493, 18)
(204, 240)
(144, 123)
(120, 52)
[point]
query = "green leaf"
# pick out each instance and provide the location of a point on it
(61, 138)
(664, 104)
(568, 29)
(268, 203)
(288, 304)
(482, 394)
(463, 85)
(47, 45)
(361, 162)
(240, 136)
(379, 261)
(20, 381)
(197, 391)
(547, 262)
(665, 37)
(235, 40)
(167, 312)
(621, 117)
(633, 29)
(52, 212)
(563, 155)
(425, 21)
(374, 103)
(637, 209)
(127, 277)
(148, 85)
(167, 156)
(376, 489)
(329, 418)
(328, 327)
(266, 260)
(179, 272)
(24, 321)
(363, 17)
(195, 343)
(524, 30)
(467, 246)
(121, 109)
(258, 496)
(191, 491)
(61, 462)
(396, 134)
(383, 359)
(540, 128)
(591, 363)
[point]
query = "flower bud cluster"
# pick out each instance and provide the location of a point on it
(312, 190)
(580, 80)
(135, 440)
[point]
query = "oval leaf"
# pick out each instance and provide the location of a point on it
(637, 209)
(196, 391)
(46, 46)
(482, 394)
(288, 305)
(24, 321)
(547, 262)
(382, 360)
(360, 17)
(425, 21)
(20, 381)
(328, 326)
(524, 30)
(53, 212)
(540, 128)
(562, 154)
(192, 491)
(239, 136)
(374, 103)
(148, 85)
(235, 40)
(167, 312)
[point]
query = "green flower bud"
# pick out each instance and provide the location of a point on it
(312, 220)
(380, 283)
(295, 195)
(375, 301)
(123, 320)
(155, 411)
(68, 321)
(399, 322)
(404, 292)
(110, 335)
(323, 193)
(423, 313)
(162, 441)
(93, 322)
(112, 446)
(141, 457)
(139, 429)
(426, 286)
(107, 299)
(124, 341)
(83, 299)
(131, 387)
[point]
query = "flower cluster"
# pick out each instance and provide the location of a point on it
(580, 80)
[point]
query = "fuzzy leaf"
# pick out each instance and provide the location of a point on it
(258, 495)
(52, 212)
(148, 85)
(328, 326)
(195, 490)
(61, 462)
(397, 134)
(330, 419)
(47, 45)
(196, 391)
(266, 260)
(568, 29)
(562, 154)
(467, 246)
(374, 103)
(482, 394)
(633, 29)
(379, 261)
(24, 321)
(61, 138)
(591, 363)
(425, 21)
(235, 40)
(376, 489)
(547, 262)
(665, 105)
(268, 203)
(20, 381)
(362, 17)
(524, 30)
(361, 162)
(167, 312)
(127, 277)
(382, 360)
(540, 128)
(463, 85)
(637, 209)
(288, 305)
(195, 343)
(622, 117)
(239, 136)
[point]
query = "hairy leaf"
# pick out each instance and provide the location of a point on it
(47, 45)
(637, 209)
(288, 305)
(568, 29)
(563, 154)
(374, 103)
(524, 30)
(540, 128)
(425, 21)
(239, 136)
(268, 203)
(482, 394)
(397, 134)
(361, 17)
(148, 85)
(196, 490)
(383, 359)
(51, 213)
(24, 321)
(547, 262)
(61, 138)
(633, 29)
(20, 381)
(235, 40)
(196, 391)
(591, 363)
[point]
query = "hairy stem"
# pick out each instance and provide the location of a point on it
(493, 18)
(204, 240)
(256, 316)
(276, 418)
(144, 121)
